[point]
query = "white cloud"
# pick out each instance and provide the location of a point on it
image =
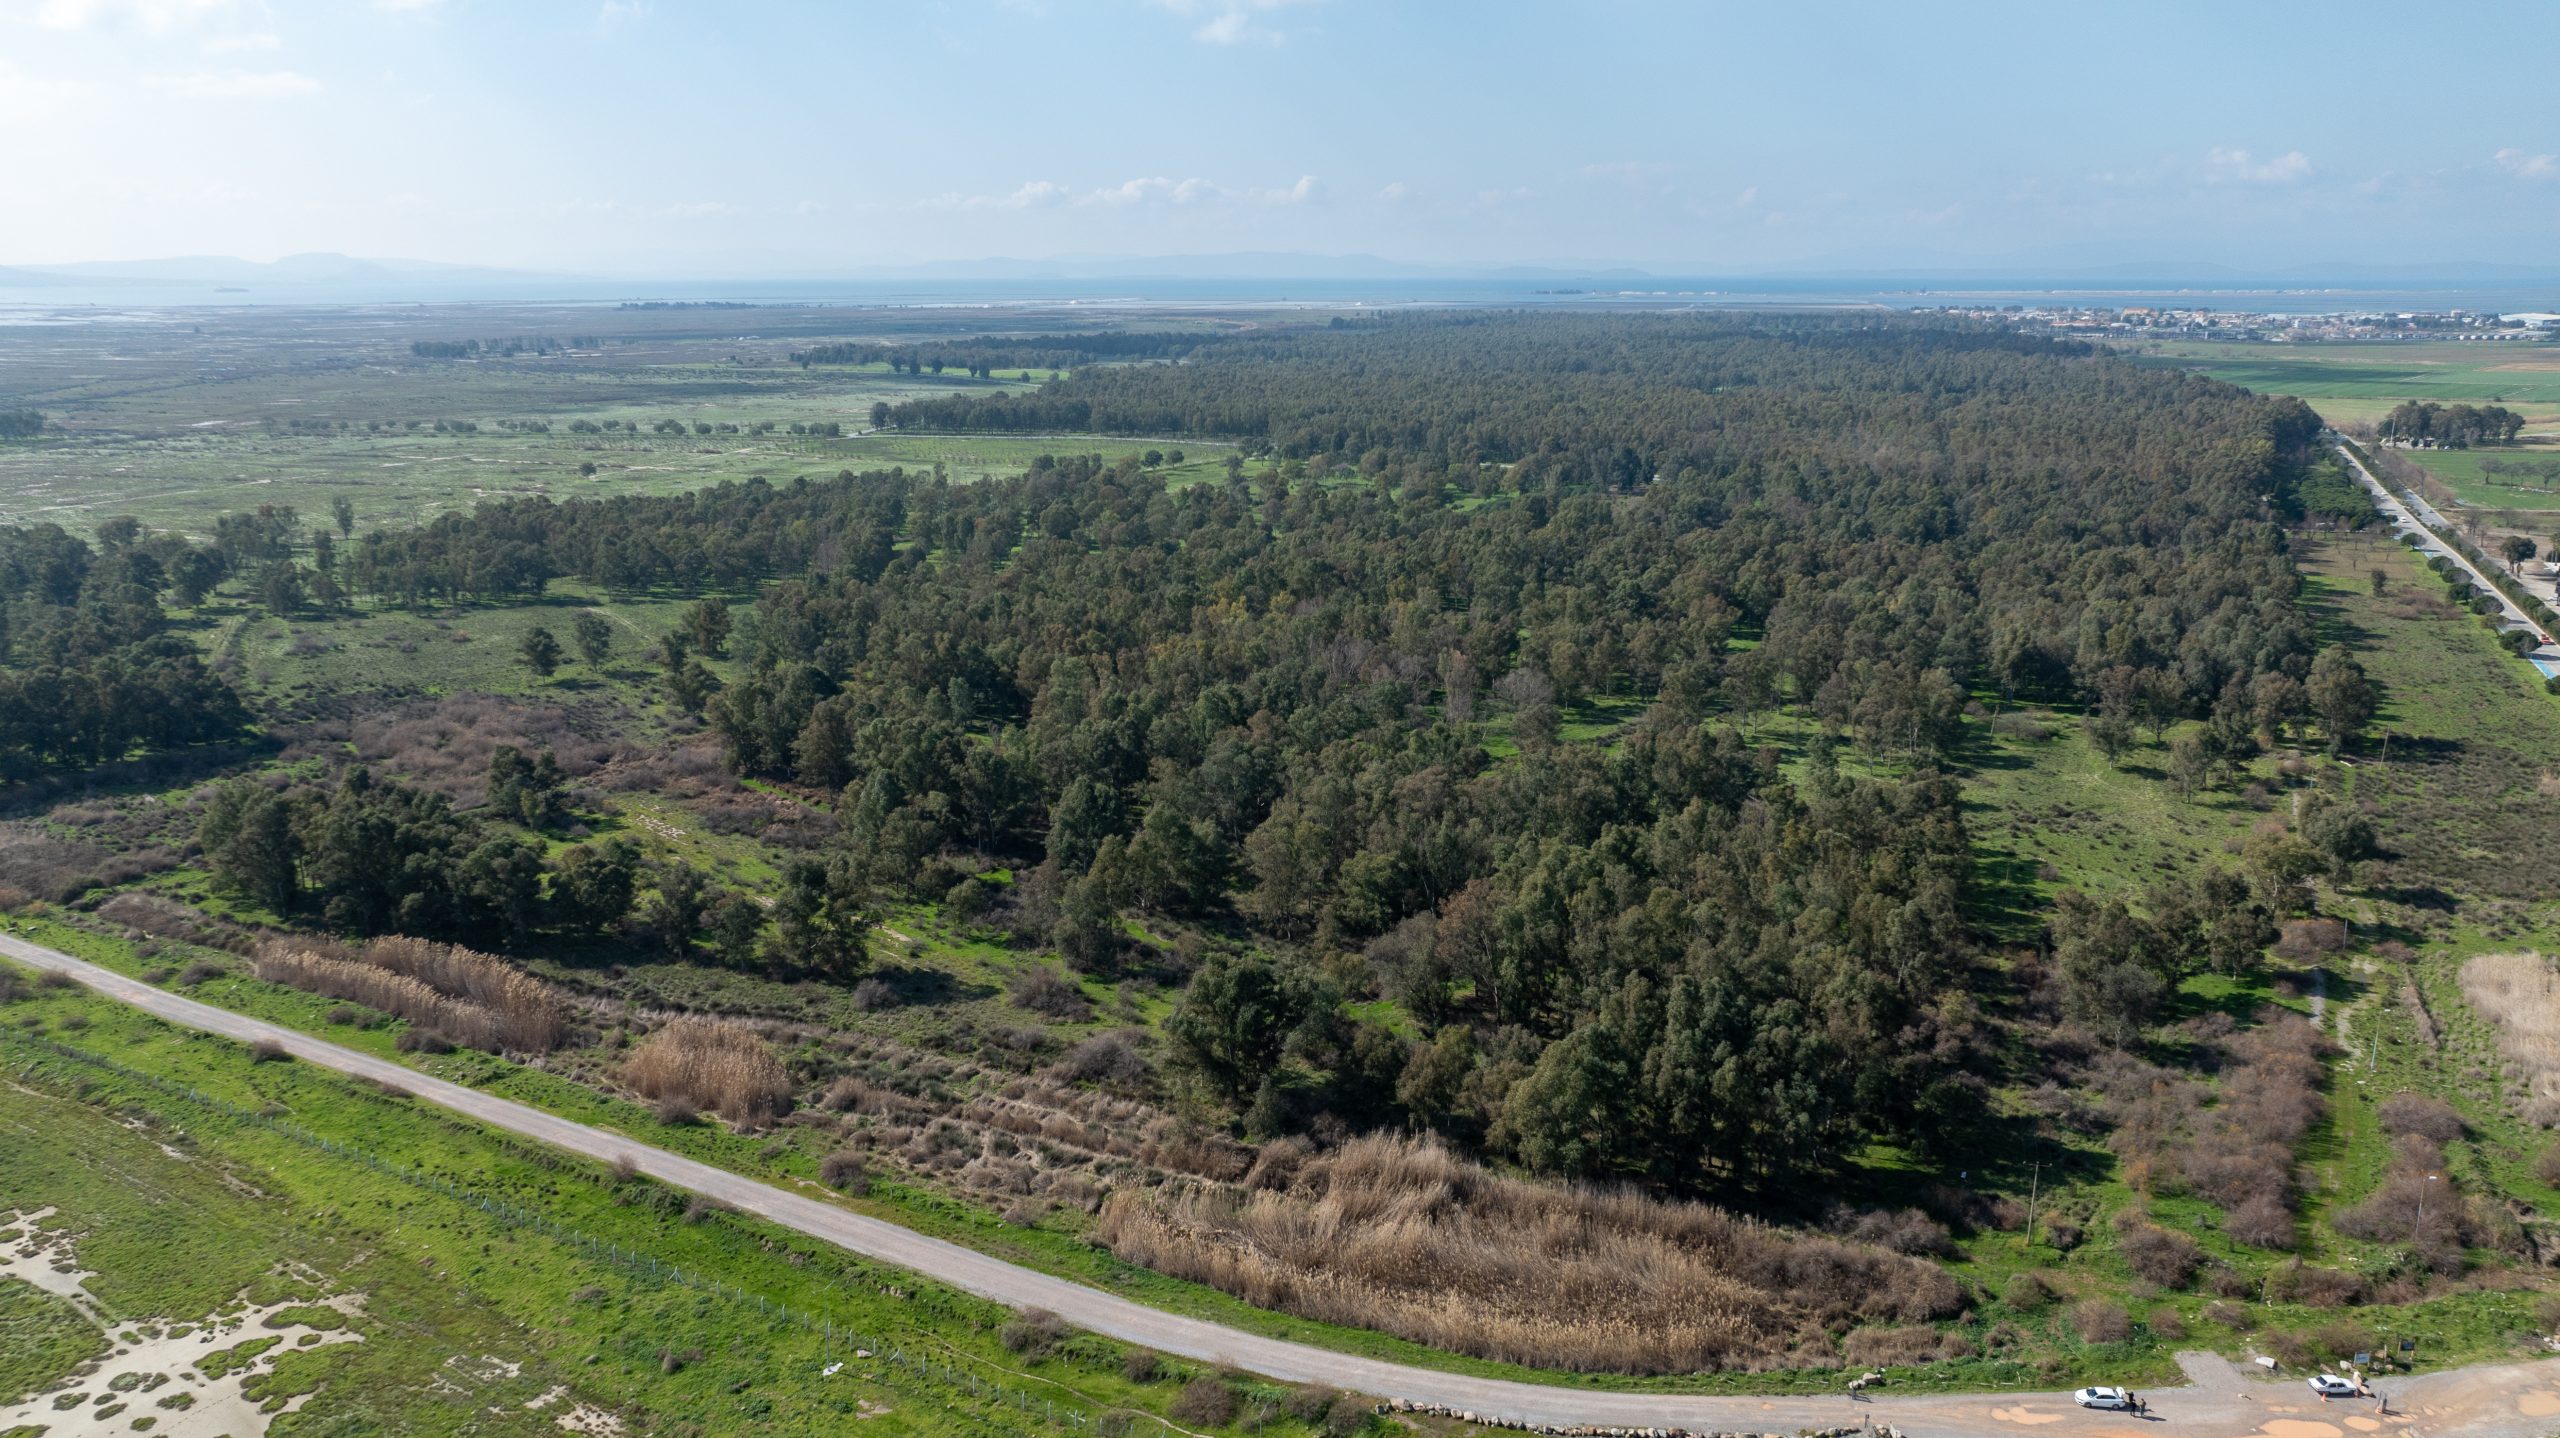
(1033, 193)
(158, 17)
(2284, 169)
(699, 209)
(1232, 22)
(235, 84)
(615, 13)
(1308, 188)
(1750, 196)
(1394, 191)
(37, 96)
(2530, 166)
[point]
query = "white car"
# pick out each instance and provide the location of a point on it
(2330, 1385)
(2103, 1398)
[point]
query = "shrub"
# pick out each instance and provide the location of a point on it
(2098, 1321)
(1140, 1365)
(415, 1040)
(1045, 991)
(196, 973)
(2234, 1316)
(2160, 1255)
(266, 1051)
(873, 995)
(2419, 1114)
(2262, 1221)
(12, 987)
(1104, 1059)
(1206, 1401)
(1349, 1414)
(2166, 1323)
(1032, 1332)
(1308, 1403)
(2026, 1293)
(2310, 938)
(716, 1066)
(1907, 1231)
(677, 1110)
(2546, 1165)
(843, 1172)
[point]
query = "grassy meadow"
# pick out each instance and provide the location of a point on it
(2357, 383)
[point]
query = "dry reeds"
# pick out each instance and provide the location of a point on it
(1408, 1238)
(714, 1065)
(2519, 995)
(470, 998)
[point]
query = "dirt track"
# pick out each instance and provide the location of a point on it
(2506, 1401)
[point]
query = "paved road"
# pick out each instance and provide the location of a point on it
(2546, 656)
(2510, 1401)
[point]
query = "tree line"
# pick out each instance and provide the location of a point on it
(2454, 426)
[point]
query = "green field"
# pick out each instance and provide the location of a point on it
(174, 422)
(2462, 471)
(494, 1285)
(2357, 383)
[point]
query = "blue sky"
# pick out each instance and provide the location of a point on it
(758, 137)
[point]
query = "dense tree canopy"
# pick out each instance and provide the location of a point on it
(1289, 700)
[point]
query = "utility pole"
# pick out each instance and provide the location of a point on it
(2035, 1178)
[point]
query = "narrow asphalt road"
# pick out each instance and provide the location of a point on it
(2399, 511)
(2507, 1401)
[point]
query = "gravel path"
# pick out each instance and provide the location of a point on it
(2508, 1401)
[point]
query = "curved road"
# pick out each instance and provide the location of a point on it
(2510, 1401)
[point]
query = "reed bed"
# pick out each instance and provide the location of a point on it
(713, 1065)
(468, 997)
(1408, 1238)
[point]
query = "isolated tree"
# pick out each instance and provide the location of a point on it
(1234, 1020)
(2517, 550)
(540, 652)
(2341, 695)
(820, 926)
(593, 635)
(706, 627)
(2381, 583)
(343, 510)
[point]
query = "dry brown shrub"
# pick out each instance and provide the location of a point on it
(2234, 1316)
(2519, 995)
(1207, 1401)
(2162, 1256)
(468, 997)
(2298, 1282)
(2098, 1321)
(1882, 1347)
(2262, 1221)
(1405, 1237)
(721, 1067)
(2421, 1114)
(2310, 938)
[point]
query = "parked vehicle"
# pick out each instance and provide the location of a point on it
(2103, 1398)
(2330, 1385)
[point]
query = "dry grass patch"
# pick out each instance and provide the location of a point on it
(711, 1065)
(2519, 994)
(468, 997)
(1407, 1238)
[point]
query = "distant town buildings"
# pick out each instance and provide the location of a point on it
(2163, 321)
